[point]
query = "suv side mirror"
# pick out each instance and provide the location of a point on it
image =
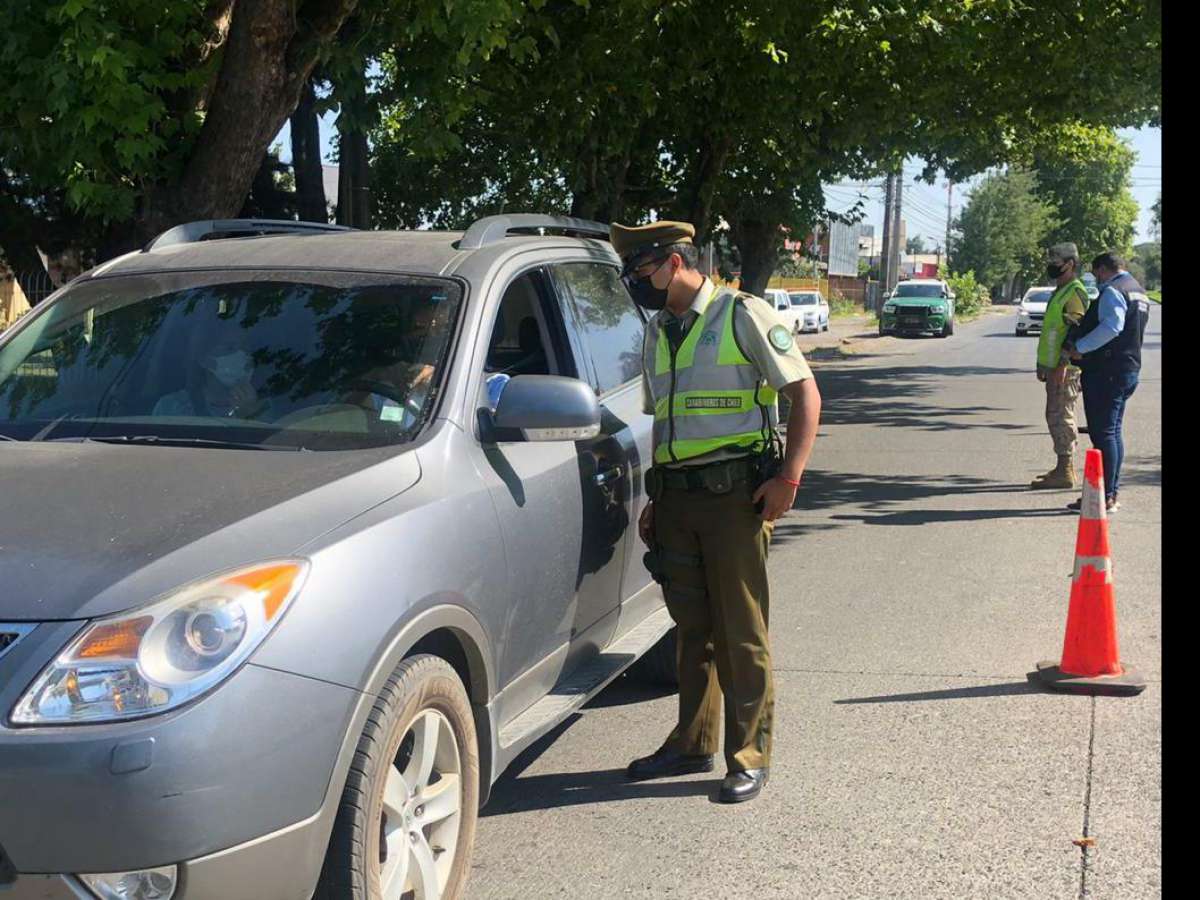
(546, 408)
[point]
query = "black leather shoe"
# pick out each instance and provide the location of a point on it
(741, 786)
(663, 763)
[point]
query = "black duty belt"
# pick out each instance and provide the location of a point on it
(718, 477)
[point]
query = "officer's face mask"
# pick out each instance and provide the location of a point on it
(1055, 269)
(229, 368)
(643, 291)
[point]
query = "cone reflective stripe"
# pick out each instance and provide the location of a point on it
(1091, 662)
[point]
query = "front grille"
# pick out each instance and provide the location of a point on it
(10, 634)
(913, 311)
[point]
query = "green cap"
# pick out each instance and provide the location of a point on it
(638, 240)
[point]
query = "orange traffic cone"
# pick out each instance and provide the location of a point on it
(1091, 663)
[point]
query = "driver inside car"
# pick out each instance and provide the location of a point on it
(218, 384)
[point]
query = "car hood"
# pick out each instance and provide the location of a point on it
(916, 301)
(89, 529)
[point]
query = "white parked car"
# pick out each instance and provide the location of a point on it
(810, 311)
(803, 310)
(1032, 310)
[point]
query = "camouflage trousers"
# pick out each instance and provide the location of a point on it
(1060, 411)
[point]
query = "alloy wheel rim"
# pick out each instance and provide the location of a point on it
(422, 808)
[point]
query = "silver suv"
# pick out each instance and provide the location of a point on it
(307, 533)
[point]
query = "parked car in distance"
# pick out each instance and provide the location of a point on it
(919, 306)
(778, 297)
(809, 311)
(307, 534)
(1032, 310)
(1089, 285)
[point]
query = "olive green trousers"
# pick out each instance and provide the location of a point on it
(713, 551)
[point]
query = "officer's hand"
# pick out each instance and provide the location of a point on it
(777, 497)
(1041, 374)
(646, 524)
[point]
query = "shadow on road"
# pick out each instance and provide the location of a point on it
(576, 788)
(626, 690)
(933, 516)
(1141, 470)
(1010, 689)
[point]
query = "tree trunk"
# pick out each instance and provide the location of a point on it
(268, 56)
(696, 200)
(306, 159)
(354, 181)
(758, 245)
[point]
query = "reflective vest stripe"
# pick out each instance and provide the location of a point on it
(1054, 326)
(715, 397)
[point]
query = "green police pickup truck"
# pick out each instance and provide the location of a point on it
(919, 306)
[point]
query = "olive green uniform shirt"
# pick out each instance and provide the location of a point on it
(752, 321)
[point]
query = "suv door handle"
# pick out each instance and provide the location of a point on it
(606, 477)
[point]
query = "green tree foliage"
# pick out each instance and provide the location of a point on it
(1146, 265)
(1002, 231)
(914, 245)
(1085, 176)
(1156, 219)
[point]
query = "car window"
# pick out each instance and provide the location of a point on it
(918, 290)
(518, 343)
(1039, 297)
(608, 318)
(269, 359)
(804, 299)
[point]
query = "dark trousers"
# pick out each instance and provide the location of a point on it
(1104, 398)
(714, 554)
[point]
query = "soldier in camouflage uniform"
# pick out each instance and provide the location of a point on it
(1065, 309)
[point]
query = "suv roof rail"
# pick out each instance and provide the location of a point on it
(191, 232)
(495, 228)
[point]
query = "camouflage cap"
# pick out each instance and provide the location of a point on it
(1063, 252)
(632, 242)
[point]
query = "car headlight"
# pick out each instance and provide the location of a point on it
(158, 657)
(889, 307)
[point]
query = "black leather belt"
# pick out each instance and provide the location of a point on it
(710, 477)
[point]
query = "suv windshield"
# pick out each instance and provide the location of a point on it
(1039, 296)
(918, 290)
(803, 299)
(319, 361)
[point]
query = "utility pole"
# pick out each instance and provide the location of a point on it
(949, 195)
(897, 255)
(885, 251)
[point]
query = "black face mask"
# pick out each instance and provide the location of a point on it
(1054, 270)
(645, 294)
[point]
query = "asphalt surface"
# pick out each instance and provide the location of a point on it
(913, 587)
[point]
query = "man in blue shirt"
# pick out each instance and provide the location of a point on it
(1107, 345)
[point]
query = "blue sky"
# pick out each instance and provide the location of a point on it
(924, 205)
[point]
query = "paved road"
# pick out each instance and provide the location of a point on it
(913, 588)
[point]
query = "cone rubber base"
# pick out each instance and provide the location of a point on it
(1126, 684)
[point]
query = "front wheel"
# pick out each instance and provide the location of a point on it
(406, 822)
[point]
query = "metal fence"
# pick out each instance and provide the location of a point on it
(36, 285)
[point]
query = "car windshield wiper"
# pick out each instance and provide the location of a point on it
(175, 442)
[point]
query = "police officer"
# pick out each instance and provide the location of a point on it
(713, 362)
(1107, 343)
(1066, 308)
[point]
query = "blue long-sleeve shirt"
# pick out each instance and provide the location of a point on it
(1112, 317)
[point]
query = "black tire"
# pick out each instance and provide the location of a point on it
(658, 665)
(420, 684)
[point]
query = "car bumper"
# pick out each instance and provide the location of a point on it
(220, 787)
(1027, 323)
(912, 325)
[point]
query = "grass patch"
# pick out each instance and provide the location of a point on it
(1156, 296)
